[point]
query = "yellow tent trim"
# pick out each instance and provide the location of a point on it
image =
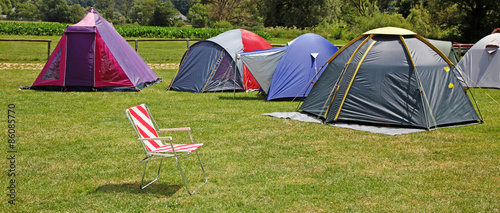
(344, 47)
(343, 71)
(435, 49)
(352, 79)
(418, 75)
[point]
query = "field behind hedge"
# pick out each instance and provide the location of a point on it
(77, 152)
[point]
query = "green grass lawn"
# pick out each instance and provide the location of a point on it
(150, 51)
(36, 52)
(77, 152)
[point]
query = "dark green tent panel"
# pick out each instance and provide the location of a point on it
(390, 77)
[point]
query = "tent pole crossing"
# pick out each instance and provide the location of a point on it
(336, 86)
(352, 79)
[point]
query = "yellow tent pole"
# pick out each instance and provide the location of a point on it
(352, 79)
(435, 49)
(344, 47)
(335, 89)
(418, 75)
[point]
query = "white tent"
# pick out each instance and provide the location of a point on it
(480, 67)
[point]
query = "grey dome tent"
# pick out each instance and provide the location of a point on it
(480, 66)
(390, 77)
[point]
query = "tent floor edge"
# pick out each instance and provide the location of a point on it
(84, 89)
(147, 84)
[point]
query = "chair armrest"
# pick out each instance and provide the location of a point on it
(176, 129)
(158, 138)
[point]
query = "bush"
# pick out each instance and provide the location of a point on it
(56, 29)
(377, 20)
(223, 25)
(284, 32)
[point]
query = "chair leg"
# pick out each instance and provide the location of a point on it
(144, 174)
(202, 169)
(182, 174)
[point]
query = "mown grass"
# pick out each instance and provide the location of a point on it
(77, 152)
(150, 51)
(25, 51)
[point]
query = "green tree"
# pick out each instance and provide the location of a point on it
(292, 13)
(182, 5)
(83, 3)
(420, 20)
(480, 18)
(107, 9)
(164, 14)
(124, 7)
(135, 15)
(77, 13)
(148, 9)
(402, 7)
(198, 16)
(26, 9)
(153, 13)
(5, 7)
(54, 10)
(236, 12)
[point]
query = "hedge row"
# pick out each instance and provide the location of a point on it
(56, 29)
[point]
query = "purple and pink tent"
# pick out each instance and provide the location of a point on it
(92, 56)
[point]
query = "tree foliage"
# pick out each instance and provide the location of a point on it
(163, 13)
(236, 12)
(54, 10)
(198, 16)
(458, 20)
(182, 6)
(106, 8)
(480, 18)
(77, 13)
(5, 6)
(293, 13)
(26, 9)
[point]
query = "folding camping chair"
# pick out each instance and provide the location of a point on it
(158, 147)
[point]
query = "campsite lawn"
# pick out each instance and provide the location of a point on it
(76, 152)
(150, 51)
(24, 51)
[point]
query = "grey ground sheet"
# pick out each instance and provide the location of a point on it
(298, 116)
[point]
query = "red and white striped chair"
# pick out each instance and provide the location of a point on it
(158, 147)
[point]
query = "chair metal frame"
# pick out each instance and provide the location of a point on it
(160, 155)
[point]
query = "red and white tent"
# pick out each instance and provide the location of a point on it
(209, 65)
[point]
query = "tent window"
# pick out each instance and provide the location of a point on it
(52, 72)
(225, 71)
(224, 77)
(108, 71)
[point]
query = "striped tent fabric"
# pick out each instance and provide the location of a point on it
(146, 129)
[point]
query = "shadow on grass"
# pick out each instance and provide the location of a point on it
(259, 97)
(156, 188)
